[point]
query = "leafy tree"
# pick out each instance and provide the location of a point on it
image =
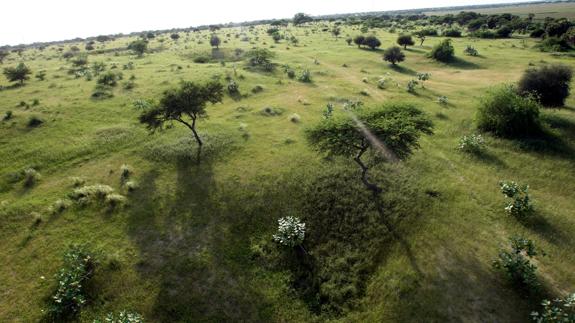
(405, 40)
(260, 57)
(392, 130)
(20, 73)
(80, 60)
(103, 38)
(443, 51)
(336, 32)
(349, 40)
(175, 36)
(187, 101)
(372, 42)
(3, 55)
(301, 18)
(138, 47)
(215, 41)
(550, 84)
(393, 55)
(504, 32)
(508, 114)
(359, 40)
(276, 37)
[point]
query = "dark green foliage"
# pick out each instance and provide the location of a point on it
(560, 310)
(71, 291)
(109, 78)
(189, 100)
(215, 41)
(504, 32)
(3, 55)
(549, 84)
(260, 58)
(393, 55)
(485, 33)
(508, 114)
(301, 18)
(452, 33)
(34, 122)
(427, 32)
(405, 40)
(554, 44)
(122, 317)
(7, 115)
(537, 33)
(138, 47)
(443, 51)
(372, 42)
(80, 60)
(40, 76)
(20, 73)
(517, 266)
(175, 36)
(359, 40)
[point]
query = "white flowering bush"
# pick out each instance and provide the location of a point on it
(520, 206)
(122, 317)
(291, 232)
(471, 144)
(411, 85)
(443, 100)
(381, 83)
(305, 76)
(556, 311)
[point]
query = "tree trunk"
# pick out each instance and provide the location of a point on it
(370, 186)
(193, 128)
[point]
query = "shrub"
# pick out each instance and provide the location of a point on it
(138, 47)
(20, 73)
(471, 143)
(405, 40)
(504, 32)
(295, 118)
(7, 115)
(554, 44)
(381, 83)
(411, 85)
(202, 59)
(443, 51)
(125, 172)
(517, 266)
(122, 317)
(271, 111)
(233, 88)
(109, 78)
(260, 57)
(115, 200)
(328, 112)
(537, 33)
(305, 76)
(131, 186)
(452, 33)
(77, 181)
(443, 100)
(560, 310)
(31, 177)
(508, 114)
(70, 294)
(393, 55)
(257, 89)
(471, 51)
(520, 206)
(291, 232)
(550, 84)
(88, 193)
(60, 206)
(291, 74)
(102, 92)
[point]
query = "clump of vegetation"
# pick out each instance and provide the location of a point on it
(20, 73)
(560, 310)
(520, 205)
(393, 55)
(233, 88)
(89, 193)
(405, 40)
(272, 111)
(554, 44)
(71, 292)
(114, 201)
(60, 206)
(443, 100)
(139, 47)
(257, 89)
(305, 76)
(7, 115)
(517, 266)
(31, 177)
(260, 58)
(122, 317)
(549, 84)
(443, 52)
(471, 144)
(411, 86)
(109, 78)
(291, 232)
(34, 122)
(295, 118)
(455, 33)
(508, 114)
(471, 51)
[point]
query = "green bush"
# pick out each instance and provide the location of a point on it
(122, 317)
(471, 144)
(452, 33)
(550, 84)
(443, 51)
(505, 113)
(520, 206)
(305, 76)
(554, 44)
(560, 310)
(31, 177)
(70, 294)
(517, 266)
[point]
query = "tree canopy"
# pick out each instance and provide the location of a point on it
(20, 73)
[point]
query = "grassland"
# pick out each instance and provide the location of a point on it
(183, 249)
(540, 10)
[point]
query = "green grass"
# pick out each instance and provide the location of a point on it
(185, 241)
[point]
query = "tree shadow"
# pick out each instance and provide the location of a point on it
(487, 157)
(179, 238)
(460, 63)
(403, 70)
(415, 50)
(547, 142)
(539, 224)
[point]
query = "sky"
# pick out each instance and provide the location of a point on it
(28, 21)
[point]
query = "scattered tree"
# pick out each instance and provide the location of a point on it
(372, 42)
(359, 40)
(405, 40)
(443, 51)
(189, 100)
(215, 41)
(301, 18)
(138, 47)
(20, 73)
(175, 36)
(393, 55)
(392, 131)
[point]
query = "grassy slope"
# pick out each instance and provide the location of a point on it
(184, 241)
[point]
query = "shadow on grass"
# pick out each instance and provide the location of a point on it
(539, 224)
(403, 70)
(487, 157)
(547, 143)
(185, 242)
(460, 63)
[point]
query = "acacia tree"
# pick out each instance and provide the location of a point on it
(19, 73)
(215, 41)
(405, 40)
(392, 131)
(187, 101)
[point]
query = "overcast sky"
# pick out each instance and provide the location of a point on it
(27, 21)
